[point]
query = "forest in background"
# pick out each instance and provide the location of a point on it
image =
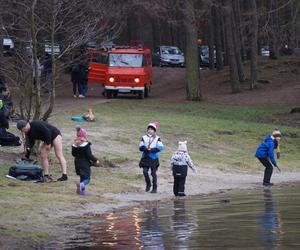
(235, 31)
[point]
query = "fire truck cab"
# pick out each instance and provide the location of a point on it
(122, 70)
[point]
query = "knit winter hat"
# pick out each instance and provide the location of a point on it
(153, 125)
(81, 133)
(276, 133)
(182, 146)
(21, 124)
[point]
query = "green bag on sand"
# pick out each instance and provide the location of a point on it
(26, 170)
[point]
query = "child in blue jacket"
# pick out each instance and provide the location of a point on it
(265, 154)
(150, 145)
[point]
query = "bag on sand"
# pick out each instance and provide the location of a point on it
(26, 170)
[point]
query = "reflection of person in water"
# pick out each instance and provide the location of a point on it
(151, 234)
(183, 226)
(270, 222)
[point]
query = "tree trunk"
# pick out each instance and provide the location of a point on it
(211, 39)
(192, 62)
(216, 13)
(237, 47)
(273, 43)
(53, 60)
(37, 112)
(234, 77)
(253, 37)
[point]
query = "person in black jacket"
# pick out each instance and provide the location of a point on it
(51, 137)
(81, 150)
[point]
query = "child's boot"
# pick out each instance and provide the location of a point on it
(82, 188)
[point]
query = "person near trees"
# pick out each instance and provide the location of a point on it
(76, 79)
(84, 78)
(265, 154)
(48, 72)
(150, 145)
(51, 138)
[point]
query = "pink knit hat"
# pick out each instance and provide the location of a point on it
(81, 132)
(153, 125)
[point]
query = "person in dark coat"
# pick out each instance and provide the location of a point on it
(48, 72)
(76, 78)
(265, 154)
(84, 79)
(51, 138)
(84, 159)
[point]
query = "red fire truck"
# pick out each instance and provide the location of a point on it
(122, 70)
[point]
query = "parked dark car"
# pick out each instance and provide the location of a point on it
(204, 56)
(168, 56)
(8, 46)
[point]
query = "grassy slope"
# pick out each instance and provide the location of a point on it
(218, 136)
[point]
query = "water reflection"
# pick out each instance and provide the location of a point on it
(182, 224)
(151, 234)
(270, 223)
(252, 220)
(120, 231)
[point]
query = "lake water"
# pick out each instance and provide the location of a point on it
(266, 218)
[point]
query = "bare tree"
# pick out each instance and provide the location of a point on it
(70, 23)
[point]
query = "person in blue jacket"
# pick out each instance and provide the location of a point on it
(150, 145)
(265, 154)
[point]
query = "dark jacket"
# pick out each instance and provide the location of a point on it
(266, 149)
(83, 159)
(5, 111)
(43, 131)
(48, 64)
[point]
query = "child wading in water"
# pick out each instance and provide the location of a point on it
(265, 154)
(81, 150)
(150, 145)
(180, 162)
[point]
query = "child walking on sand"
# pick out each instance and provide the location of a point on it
(180, 162)
(81, 150)
(150, 145)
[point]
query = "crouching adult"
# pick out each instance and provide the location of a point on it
(51, 138)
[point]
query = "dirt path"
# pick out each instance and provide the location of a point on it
(282, 87)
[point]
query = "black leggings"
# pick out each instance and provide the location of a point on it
(77, 86)
(268, 169)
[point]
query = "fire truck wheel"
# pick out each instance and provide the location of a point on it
(141, 94)
(108, 94)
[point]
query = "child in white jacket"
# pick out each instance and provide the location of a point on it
(180, 162)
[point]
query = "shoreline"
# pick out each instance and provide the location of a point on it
(208, 183)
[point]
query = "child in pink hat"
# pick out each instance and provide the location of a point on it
(83, 159)
(150, 145)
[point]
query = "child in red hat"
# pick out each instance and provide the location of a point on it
(150, 145)
(83, 159)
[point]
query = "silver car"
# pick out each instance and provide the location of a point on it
(168, 56)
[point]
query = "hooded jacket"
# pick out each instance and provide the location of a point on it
(266, 149)
(83, 158)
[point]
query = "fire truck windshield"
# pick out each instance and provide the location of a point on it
(125, 60)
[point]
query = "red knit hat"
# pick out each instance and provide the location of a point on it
(153, 125)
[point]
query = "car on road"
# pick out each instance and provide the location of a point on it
(168, 56)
